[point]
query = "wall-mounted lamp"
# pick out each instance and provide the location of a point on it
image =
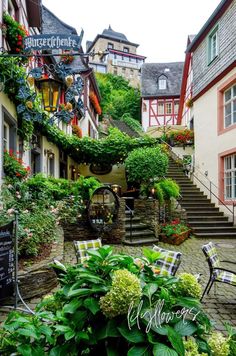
(50, 90)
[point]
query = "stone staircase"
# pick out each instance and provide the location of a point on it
(137, 233)
(203, 216)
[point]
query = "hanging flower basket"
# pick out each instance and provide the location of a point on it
(15, 33)
(94, 100)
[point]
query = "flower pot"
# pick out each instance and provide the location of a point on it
(175, 239)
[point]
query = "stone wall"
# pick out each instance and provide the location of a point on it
(148, 211)
(82, 230)
(151, 213)
(39, 279)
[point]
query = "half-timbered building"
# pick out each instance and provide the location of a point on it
(160, 91)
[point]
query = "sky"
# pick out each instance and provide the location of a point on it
(160, 27)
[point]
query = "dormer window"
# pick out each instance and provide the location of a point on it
(162, 82)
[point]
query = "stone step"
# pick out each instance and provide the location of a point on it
(215, 235)
(140, 234)
(136, 226)
(200, 212)
(183, 183)
(199, 208)
(216, 229)
(134, 219)
(190, 193)
(212, 223)
(198, 204)
(175, 175)
(143, 241)
(199, 199)
(191, 190)
(207, 218)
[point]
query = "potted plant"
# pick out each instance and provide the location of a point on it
(174, 232)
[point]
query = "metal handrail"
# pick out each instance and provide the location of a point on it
(131, 214)
(176, 156)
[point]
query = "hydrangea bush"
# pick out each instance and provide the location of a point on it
(112, 306)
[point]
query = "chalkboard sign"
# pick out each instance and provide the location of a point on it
(6, 261)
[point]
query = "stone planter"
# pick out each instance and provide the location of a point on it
(175, 239)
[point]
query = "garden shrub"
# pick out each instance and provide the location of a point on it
(42, 204)
(72, 320)
(162, 190)
(169, 188)
(144, 164)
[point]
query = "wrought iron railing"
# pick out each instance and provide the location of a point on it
(131, 215)
(179, 159)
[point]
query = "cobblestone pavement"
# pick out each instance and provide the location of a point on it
(220, 305)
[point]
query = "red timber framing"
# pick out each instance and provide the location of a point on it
(163, 111)
(186, 92)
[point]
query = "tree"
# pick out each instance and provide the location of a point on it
(144, 164)
(118, 97)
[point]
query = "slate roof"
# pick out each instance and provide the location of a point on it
(113, 34)
(51, 24)
(150, 73)
(110, 34)
(123, 127)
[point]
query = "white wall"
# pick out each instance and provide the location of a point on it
(208, 144)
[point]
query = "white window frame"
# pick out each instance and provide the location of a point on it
(229, 104)
(6, 138)
(162, 83)
(168, 105)
(230, 177)
(176, 107)
(213, 44)
(160, 108)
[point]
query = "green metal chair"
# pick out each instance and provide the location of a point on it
(217, 273)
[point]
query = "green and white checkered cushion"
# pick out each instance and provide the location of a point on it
(226, 277)
(82, 248)
(211, 253)
(170, 262)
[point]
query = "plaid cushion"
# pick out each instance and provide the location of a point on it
(210, 252)
(226, 277)
(82, 248)
(170, 262)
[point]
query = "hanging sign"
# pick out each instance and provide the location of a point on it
(52, 41)
(6, 261)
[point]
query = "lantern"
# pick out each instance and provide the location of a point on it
(51, 91)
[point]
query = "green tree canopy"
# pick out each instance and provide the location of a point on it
(118, 97)
(143, 164)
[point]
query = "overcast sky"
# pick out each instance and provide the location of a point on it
(160, 27)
